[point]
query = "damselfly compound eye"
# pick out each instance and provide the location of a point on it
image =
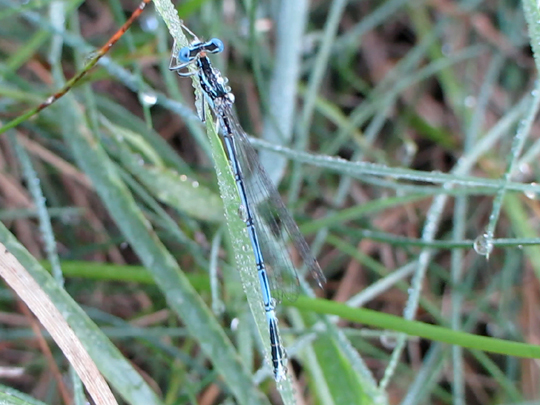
(215, 46)
(184, 55)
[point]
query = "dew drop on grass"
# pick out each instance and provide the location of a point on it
(148, 98)
(149, 22)
(90, 56)
(446, 49)
(389, 341)
(470, 101)
(483, 245)
(533, 195)
(525, 168)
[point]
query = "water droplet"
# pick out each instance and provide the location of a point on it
(533, 195)
(90, 57)
(149, 98)
(483, 245)
(234, 324)
(446, 49)
(66, 218)
(139, 159)
(470, 101)
(149, 22)
(195, 184)
(411, 148)
(389, 341)
(525, 168)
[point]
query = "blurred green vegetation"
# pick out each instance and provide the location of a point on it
(402, 137)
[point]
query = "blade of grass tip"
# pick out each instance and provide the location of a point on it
(279, 119)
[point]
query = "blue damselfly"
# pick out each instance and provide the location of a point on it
(270, 226)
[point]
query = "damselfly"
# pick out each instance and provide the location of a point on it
(270, 226)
